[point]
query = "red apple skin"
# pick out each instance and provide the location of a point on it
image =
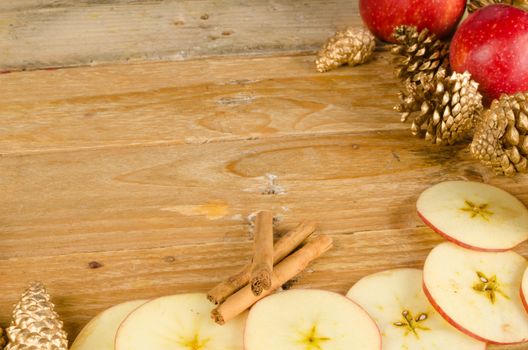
(524, 301)
(492, 44)
(461, 244)
(456, 325)
(439, 16)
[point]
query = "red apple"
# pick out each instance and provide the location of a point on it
(492, 44)
(439, 16)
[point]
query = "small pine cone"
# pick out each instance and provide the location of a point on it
(3, 340)
(501, 139)
(474, 5)
(521, 4)
(419, 55)
(35, 324)
(352, 47)
(446, 109)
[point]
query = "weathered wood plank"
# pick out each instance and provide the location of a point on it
(192, 102)
(81, 292)
(36, 34)
(155, 196)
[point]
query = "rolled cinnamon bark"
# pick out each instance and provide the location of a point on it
(284, 246)
(262, 265)
(284, 271)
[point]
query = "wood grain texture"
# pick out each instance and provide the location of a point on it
(58, 33)
(121, 182)
(189, 268)
(80, 291)
(191, 102)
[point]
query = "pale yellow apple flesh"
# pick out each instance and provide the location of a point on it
(474, 215)
(310, 319)
(406, 319)
(178, 322)
(101, 331)
(478, 292)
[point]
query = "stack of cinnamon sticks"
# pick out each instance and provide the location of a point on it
(271, 267)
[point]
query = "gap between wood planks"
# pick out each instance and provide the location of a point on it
(187, 142)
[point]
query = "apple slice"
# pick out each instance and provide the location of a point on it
(101, 331)
(474, 215)
(309, 319)
(524, 290)
(478, 292)
(178, 322)
(407, 320)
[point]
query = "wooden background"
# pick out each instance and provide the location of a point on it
(125, 181)
(50, 33)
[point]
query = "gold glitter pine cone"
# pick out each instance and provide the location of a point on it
(474, 5)
(351, 46)
(419, 55)
(501, 139)
(35, 324)
(444, 110)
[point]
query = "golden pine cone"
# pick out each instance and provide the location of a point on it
(3, 341)
(35, 325)
(351, 46)
(500, 140)
(419, 55)
(521, 3)
(474, 5)
(446, 109)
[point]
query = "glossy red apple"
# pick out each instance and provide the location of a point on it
(492, 44)
(439, 16)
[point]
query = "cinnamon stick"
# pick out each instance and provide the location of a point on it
(262, 266)
(284, 246)
(284, 271)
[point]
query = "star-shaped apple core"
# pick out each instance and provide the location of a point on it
(412, 324)
(489, 286)
(195, 343)
(475, 210)
(312, 339)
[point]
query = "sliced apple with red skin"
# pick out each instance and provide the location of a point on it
(474, 215)
(478, 292)
(178, 322)
(101, 331)
(406, 319)
(524, 290)
(306, 319)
